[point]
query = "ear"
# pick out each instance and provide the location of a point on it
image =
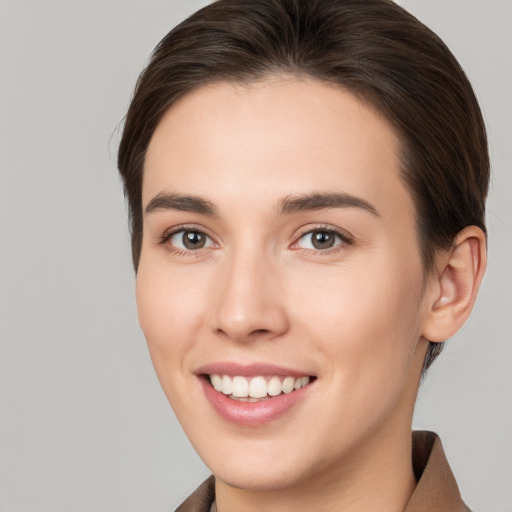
(452, 290)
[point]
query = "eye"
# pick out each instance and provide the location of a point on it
(190, 240)
(320, 239)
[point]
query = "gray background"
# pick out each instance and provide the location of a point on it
(84, 425)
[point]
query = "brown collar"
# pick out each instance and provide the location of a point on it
(436, 491)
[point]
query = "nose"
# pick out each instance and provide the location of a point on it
(249, 300)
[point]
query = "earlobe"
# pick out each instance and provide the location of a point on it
(453, 289)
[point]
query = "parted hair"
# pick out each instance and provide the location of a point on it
(373, 48)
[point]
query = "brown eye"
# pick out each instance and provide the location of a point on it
(190, 240)
(193, 240)
(320, 239)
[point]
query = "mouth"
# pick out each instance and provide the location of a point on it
(254, 395)
(256, 388)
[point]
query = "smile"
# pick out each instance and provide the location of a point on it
(256, 394)
(252, 389)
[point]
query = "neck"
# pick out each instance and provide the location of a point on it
(377, 477)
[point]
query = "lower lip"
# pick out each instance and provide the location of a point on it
(252, 414)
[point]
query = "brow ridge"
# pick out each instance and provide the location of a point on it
(287, 206)
(323, 200)
(181, 202)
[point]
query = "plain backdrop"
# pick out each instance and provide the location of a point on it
(84, 425)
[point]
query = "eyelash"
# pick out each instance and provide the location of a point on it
(344, 240)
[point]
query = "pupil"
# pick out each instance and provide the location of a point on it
(323, 240)
(193, 240)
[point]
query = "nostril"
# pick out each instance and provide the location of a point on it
(254, 334)
(257, 332)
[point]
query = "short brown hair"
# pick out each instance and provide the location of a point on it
(372, 48)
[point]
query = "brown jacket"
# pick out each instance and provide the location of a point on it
(436, 491)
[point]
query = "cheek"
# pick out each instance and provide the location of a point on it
(366, 322)
(169, 309)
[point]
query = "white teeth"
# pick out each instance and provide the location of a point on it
(274, 386)
(255, 388)
(216, 382)
(227, 385)
(288, 384)
(300, 383)
(258, 387)
(240, 387)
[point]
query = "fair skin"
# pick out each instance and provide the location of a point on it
(330, 287)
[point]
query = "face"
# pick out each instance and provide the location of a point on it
(280, 286)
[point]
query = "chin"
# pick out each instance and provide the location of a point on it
(260, 466)
(255, 478)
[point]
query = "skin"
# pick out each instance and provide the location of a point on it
(353, 315)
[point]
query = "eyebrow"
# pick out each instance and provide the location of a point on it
(287, 206)
(319, 201)
(184, 203)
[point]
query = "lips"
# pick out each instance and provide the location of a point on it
(252, 395)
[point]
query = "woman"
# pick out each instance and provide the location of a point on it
(307, 185)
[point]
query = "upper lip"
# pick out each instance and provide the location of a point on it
(248, 370)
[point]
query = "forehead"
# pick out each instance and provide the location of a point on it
(273, 138)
